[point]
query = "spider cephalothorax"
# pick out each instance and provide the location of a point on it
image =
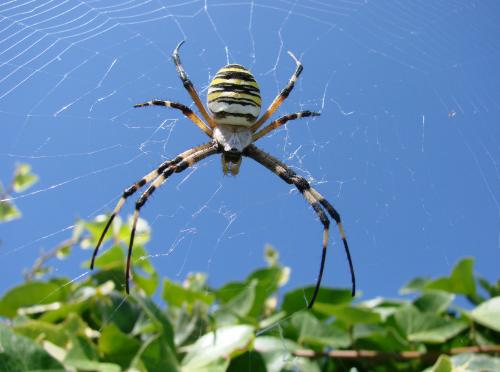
(233, 125)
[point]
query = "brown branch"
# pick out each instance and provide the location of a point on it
(46, 256)
(403, 355)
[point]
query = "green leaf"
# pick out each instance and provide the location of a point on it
(110, 306)
(23, 178)
(348, 314)
(81, 349)
(223, 344)
(434, 301)
(147, 283)
(160, 320)
(475, 363)
(274, 319)
(493, 289)
(116, 346)
(468, 362)
(378, 337)
(425, 327)
(488, 314)
(186, 324)
(461, 281)
(229, 291)
(249, 361)
(238, 307)
(415, 285)
(43, 331)
(90, 365)
(242, 304)
(176, 295)
(438, 331)
(443, 364)
(63, 252)
(309, 330)
(142, 231)
(267, 281)
(32, 294)
(8, 211)
(277, 353)
(298, 299)
(19, 353)
(96, 227)
(384, 307)
(155, 355)
(83, 356)
(111, 258)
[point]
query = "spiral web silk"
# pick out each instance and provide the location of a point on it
(407, 146)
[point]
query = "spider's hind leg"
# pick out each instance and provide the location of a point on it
(196, 154)
(317, 202)
(132, 189)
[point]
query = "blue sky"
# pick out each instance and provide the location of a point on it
(407, 147)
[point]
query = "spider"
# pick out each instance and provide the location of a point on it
(233, 126)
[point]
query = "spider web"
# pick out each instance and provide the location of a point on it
(407, 147)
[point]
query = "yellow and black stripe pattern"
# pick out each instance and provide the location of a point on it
(234, 96)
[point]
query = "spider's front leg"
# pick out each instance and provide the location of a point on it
(189, 86)
(282, 96)
(183, 108)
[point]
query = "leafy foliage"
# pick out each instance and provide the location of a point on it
(22, 180)
(91, 325)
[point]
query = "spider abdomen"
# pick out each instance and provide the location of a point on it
(234, 96)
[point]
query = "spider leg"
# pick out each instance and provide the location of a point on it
(314, 198)
(281, 121)
(185, 110)
(189, 86)
(136, 186)
(280, 97)
(201, 153)
(336, 216)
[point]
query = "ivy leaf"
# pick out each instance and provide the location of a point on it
(155, 355)
(310, 330)
(177, 295)
(116, 346)
(461, 281)
(426, 327)
(20, 353)
(488, 314)
(475, 363)
(160, 320)
(215, 347)
(23, 178)
(30, 294)
(443, 364)
(349, 314)
(434, 301)
(238, 307)
(8, 211)
(277, 353)
(297, 299)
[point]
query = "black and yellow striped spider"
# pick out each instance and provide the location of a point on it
(234, 104)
